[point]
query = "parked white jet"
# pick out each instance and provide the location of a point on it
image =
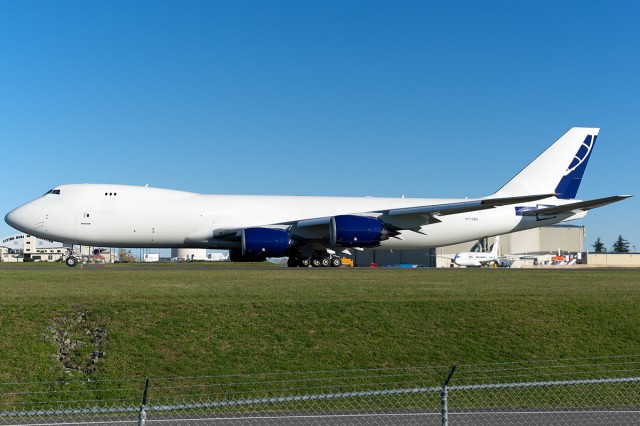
(311, 229)
(478, 258)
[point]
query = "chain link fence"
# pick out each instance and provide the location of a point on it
(569, 392)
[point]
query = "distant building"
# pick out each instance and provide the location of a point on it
(532, 247)
(18, 247)
(25, 247)
(151, 257)
(7, 255)
(188, 255)
(524, 247)
(613, 260)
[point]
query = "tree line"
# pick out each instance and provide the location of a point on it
(620, 246)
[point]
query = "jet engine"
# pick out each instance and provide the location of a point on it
(356, 231)
(264, 242)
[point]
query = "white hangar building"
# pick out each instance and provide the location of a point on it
(21, 247)
(524, 247)
(14, 248)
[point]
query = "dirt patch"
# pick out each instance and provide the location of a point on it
(81, 341)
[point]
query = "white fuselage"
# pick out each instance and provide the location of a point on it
(474, 259)
(131, 216)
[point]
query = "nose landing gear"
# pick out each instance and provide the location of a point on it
(71, 261)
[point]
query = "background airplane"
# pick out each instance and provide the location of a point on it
(311, 230)
(478, 258)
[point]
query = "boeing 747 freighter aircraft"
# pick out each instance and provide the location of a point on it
(311, 230)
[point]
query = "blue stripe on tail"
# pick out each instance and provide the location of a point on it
(568, 186)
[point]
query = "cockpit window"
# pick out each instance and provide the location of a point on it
(53, 191)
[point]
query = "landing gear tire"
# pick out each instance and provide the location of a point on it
(71, 261)
(315, 262)
(325, 261)
(305, 261)
(336, 262)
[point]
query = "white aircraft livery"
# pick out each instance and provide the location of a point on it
(307, 229)
(478, 258)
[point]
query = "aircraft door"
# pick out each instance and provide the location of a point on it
(85, 217)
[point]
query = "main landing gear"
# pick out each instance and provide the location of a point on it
(316, 261)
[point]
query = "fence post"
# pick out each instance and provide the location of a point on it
(142, 416)
(444, 397)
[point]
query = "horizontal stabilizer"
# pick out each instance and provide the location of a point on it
(580, 206)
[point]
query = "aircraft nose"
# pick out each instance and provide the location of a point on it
(12, 218)
(23, 218)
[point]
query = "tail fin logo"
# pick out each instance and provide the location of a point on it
(568, 186)
(582, 155)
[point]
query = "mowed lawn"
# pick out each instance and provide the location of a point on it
(204, 320)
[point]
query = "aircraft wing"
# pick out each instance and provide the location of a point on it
(577, 207)
(413, 218)
(409, 218)
(406, 218)
(465, 206)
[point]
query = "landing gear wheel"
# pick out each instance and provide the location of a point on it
(305, 261)
(71, 261)
(325, 261)
(336, 262)
(315, 262)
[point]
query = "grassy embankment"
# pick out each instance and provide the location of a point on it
(209, 320)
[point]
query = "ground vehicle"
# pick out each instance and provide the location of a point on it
(347, 262)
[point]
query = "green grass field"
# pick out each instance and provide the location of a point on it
(209, 320)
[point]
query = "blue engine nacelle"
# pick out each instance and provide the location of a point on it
(265, 242)
(356, 231)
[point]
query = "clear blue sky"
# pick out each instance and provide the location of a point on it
(380, 98)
